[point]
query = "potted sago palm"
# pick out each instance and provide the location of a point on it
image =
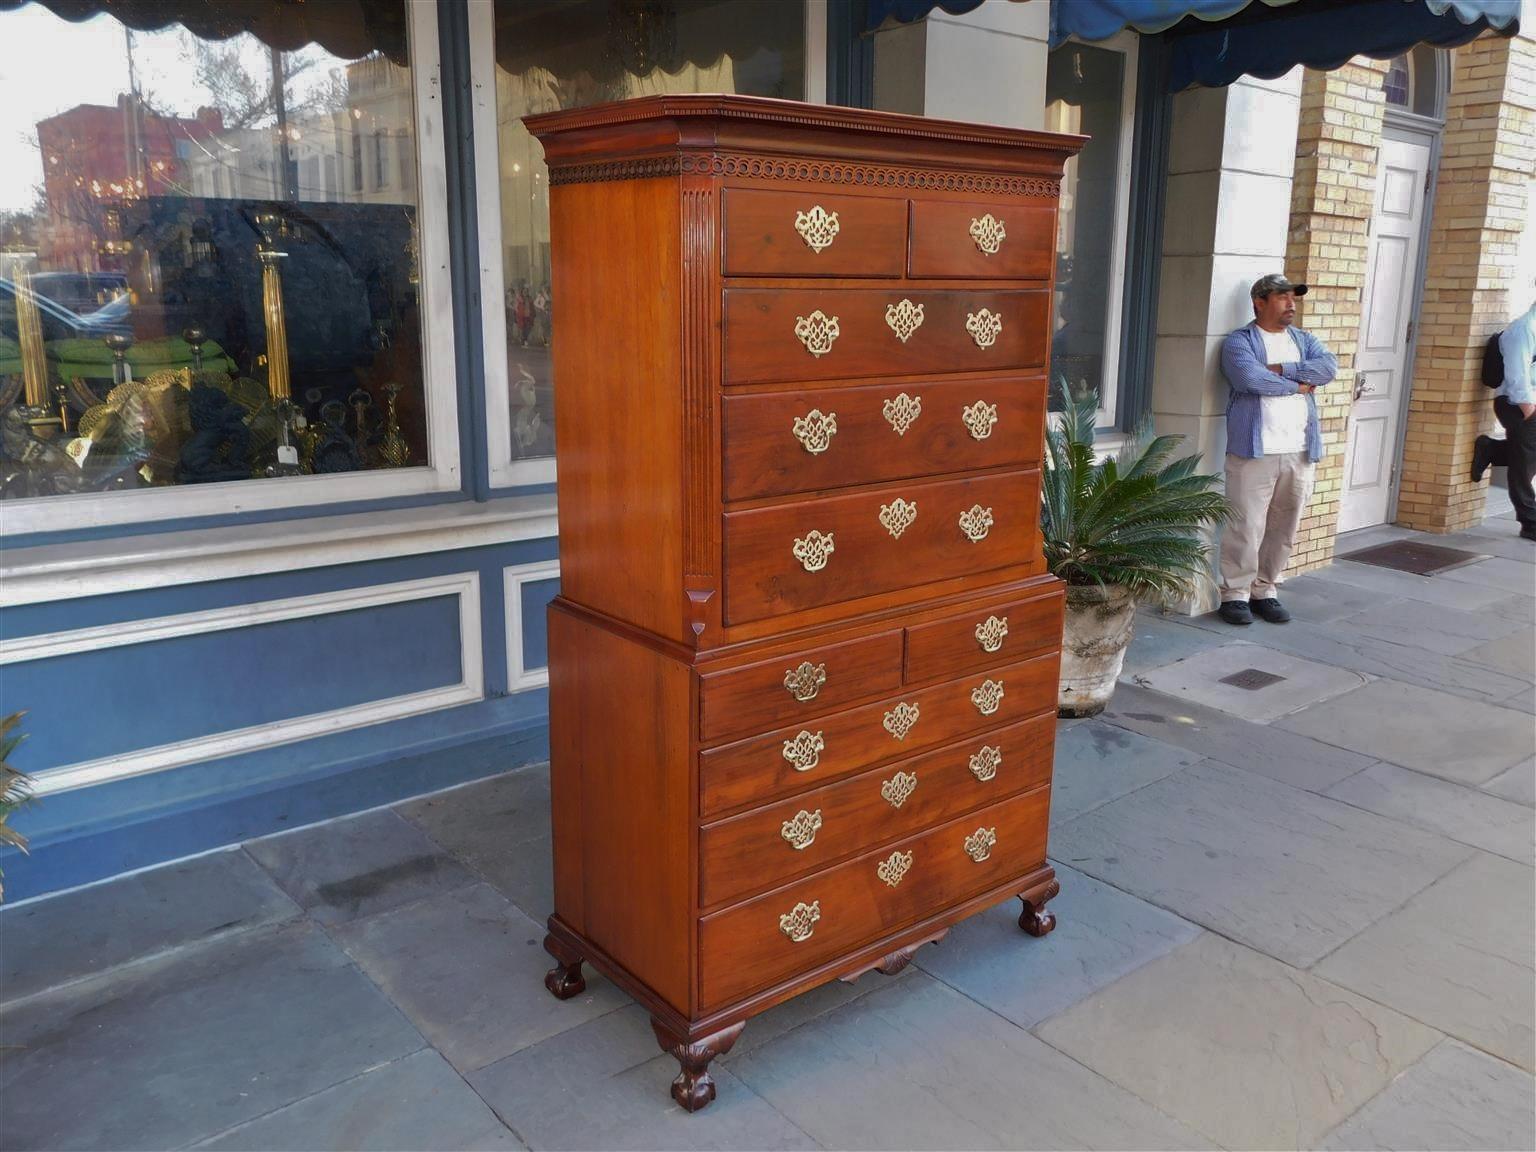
(1117, 529)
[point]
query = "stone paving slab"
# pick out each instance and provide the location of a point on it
(1513, 653)
(418, 1104)
(1096, 762)
(346, 869)
(468, 969)
(1284, 871)
(1101, 934)
(606, 1084)
(807, 1006)
(1245, 1049)
(1517, 783)
(1310, 597)
(1448, 631)
(1159, 640)
(1499, 572)
(88, 931)
(167, 1052)
(1201, 678)
(1463, 814)
(1446, 736)
(1387, 582)
(920, 1066)
(1499, 541)
(1454, 1098)
(1514, 609)
(1460, 956)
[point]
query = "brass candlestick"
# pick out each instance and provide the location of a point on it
(18, 268)
(393, 450)
(268, 252)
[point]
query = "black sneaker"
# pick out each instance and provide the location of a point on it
(1528, 532)
(1271, 610)
(1482, 456)
(1235, 612)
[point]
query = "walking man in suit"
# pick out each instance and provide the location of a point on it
(1514, 406)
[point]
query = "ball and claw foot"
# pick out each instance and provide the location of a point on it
(1034, 919)
(694, 1087)
(564, 980)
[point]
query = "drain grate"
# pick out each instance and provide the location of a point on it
(1416, 557)
(1252, 679)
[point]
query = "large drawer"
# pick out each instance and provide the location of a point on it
(795, 759)
(981, 636)
(789, 557)
(795, 334)
(790, 689)
(756, 944)
(982, 240)
(768, 846)
(816, 438)
(810, 234)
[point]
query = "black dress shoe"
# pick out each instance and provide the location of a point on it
(1482, 456)
(1528, 532)
(1271, 610)
(1235, 612)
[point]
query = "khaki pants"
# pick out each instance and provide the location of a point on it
(1267, 494)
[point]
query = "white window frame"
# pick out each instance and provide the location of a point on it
(439, 371)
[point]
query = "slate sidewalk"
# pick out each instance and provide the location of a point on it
(1293, 917)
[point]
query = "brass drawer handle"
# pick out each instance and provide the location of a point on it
(896, 790)
(902, 412)
(801, 831)
(976, 522)
(800, 923)
(897, 516)
(818, 227)
(904, 319)
(813, 549)
(989, 697)
(984, 326)
(894, 867)
(979, 844)
(989, 234)
(986, 762)
(990, 633)
(899, 720)
(815, 430)
(805, 681)
(817, 331)
(980, 418)
(804, 751)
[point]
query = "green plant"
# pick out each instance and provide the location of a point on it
(1133, 519)
(15, 785)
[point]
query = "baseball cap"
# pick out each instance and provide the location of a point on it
(1274, 282)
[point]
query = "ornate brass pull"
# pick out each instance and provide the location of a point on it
(990, 633)
(894, 867)
(979, 844)
(812, 550)
(805, 681)
(896, 790)
(815, 430)
(802, 829)
(976, 522)
(804, 751)
(984, 327)
(897, 516)
(979, 418)
(899, 720)
(986, 762)
(989, 234)
(989, 697)
(818, 227)
(904, 319)
(800, 923)
(817, 331)
(902, 412)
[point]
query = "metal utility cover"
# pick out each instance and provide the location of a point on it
(1413, 556)
(1252, 679)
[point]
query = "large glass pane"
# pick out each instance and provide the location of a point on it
(208, 254)
(553, 54)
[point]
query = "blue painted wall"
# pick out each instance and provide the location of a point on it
(535, 616)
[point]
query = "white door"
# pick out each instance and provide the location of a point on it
(1382, 368)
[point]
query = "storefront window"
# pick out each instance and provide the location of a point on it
(556, 54)
(209, 263)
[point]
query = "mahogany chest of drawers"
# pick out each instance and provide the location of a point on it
(803, 666)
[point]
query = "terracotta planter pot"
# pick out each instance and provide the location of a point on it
(1098, 630)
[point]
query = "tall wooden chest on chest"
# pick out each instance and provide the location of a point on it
(803, 664)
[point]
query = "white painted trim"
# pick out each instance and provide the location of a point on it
(816, 51)
(94, 509)
(55, 572)
(519, 678)
(464, 586)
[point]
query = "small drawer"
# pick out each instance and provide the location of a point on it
(797, 687)
(795, 759)
(763, 848)
(982, 240)
(810, 234)
(785, 442)
(981, 636)
(804, 334)
(789, 557)
(756, 944)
